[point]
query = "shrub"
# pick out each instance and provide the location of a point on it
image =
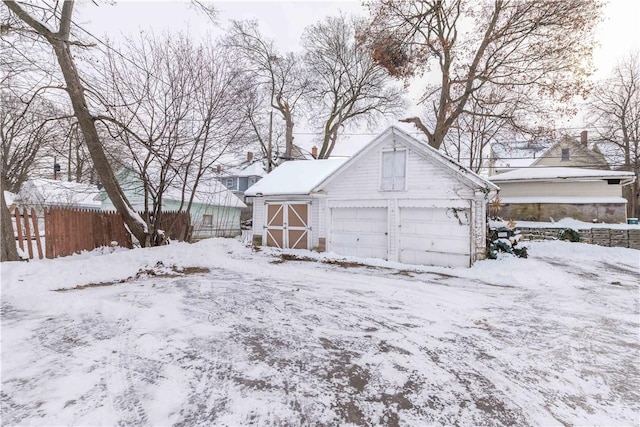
(569, 234)
(505, 240)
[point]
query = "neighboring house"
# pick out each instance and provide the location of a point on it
(567, 152)
(242, 176)
(43, 193)
(544, 193)
(515, 154)
(238, 179)
(396, 199)
(215, 211)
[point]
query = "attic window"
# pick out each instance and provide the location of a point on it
(393, 170)
(229, 183)
(207, 219)
(565, 155)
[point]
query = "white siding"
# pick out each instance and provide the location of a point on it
(360, 232)
(597, 188)
(426, 179)
(258, 216)
(435, 236)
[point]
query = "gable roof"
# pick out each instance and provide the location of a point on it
(425, 150)
(561, 173)
(297, 177)
(50, 192)
(588, 153)
(210, 190)
(518, 154)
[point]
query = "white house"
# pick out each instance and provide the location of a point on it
(215, 211)
(396, 199)
(541, 193)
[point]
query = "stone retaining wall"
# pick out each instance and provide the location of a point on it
(612, 237)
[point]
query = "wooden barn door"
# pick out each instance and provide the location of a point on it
(288, 225)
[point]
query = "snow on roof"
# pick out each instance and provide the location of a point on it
(553, 173)
(613, 154)
(561, 199)
(295, 177)
(517, 154)
(209, 192)
(47, 192)
(9, 197)
(254, 169)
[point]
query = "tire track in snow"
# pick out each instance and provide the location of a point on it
(121, 387)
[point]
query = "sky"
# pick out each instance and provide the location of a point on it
(284, 21)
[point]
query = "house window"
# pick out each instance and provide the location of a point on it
(393, 170)
(565, 155)
(229, 183)
(252, 181)
(207, 219)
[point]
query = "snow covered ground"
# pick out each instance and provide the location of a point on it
(216, 334)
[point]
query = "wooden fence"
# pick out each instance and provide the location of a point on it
(28, 232)
(68, 231)
(176, 224)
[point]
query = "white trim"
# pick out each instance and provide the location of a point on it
(561, 200)
(358, 203)
(394, 150)
(434, 203)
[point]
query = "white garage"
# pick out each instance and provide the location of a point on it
(361, 232)
(435, 236)
(396, 199)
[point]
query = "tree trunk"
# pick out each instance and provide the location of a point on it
(8, 250)
(60, 43)
(288, 136)
(87, 126)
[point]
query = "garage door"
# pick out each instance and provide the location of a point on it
(360, 232)
(435, 236)
(288, 225)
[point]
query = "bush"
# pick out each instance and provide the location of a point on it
(569, 234)
(505, 240)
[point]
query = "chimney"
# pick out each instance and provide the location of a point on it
(249, 156)
(218, 169)
(314, 152)
(583, 138)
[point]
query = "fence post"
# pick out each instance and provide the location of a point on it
(19, 229)
(27, 233)
(36, 232)
(48, 235)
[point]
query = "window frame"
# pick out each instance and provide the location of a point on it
(395, 177)
(207, 216)
(565, 155)
(226, 184)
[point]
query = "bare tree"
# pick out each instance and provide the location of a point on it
(542, 47)
(261, 123)
(61, 43)
(614, 108)
(493, 121)
(281, 76)
(177, 112)
(348, 86)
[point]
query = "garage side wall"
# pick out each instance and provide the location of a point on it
(425, 179)
(258, 220)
